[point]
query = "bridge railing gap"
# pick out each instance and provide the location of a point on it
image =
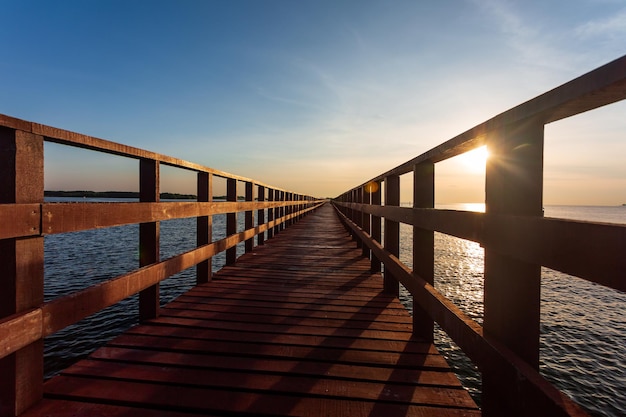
(25, 218)
(516, 237)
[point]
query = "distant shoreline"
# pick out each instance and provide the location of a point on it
(125, 194)
(114, 194)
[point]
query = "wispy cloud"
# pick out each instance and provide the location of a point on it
(525, 36)
(611, 26)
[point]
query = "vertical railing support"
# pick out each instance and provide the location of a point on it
(513, 186)
(149, 179)
(358, 214)
(423, 244)
(249, 216)
(375, 190)
(392, 231)
(366, 219)
(21, 268)
(204, 226)
(288, 209)
(270, 213)
(231, 219)
(277, 211)
(261, 214)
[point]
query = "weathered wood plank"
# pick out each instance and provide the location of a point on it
(278, 365)
(20, 330)
(207, 399)
(270, 384)
(19, 220)
(71, 217)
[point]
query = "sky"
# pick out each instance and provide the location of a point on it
(311, 96)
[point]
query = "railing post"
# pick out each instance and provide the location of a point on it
(358, 215)
(204, 226)
(366, 199)
(288, 209)
(231, 219)
(423, 244)
(249, 216)
(277, 211)
(261, 214)
(270, 213)
(281, 211)
(513, 186)
(392, 231)
(21, 268)
(350, 212)
(149, 178)
(375, 190)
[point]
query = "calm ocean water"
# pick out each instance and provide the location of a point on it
(583, 324)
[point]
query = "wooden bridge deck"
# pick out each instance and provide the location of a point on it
(300, 326)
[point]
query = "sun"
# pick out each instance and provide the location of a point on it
(475, 160)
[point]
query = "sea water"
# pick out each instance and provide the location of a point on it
(583, 328)
(583, 325)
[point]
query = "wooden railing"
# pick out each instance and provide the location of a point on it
(25, 218)
(516, 238)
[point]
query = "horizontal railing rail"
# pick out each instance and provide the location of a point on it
(516, 238)
(26, 218)
(589, 250)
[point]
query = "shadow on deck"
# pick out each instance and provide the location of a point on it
(299, 326)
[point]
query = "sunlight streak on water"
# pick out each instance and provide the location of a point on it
(583, 328)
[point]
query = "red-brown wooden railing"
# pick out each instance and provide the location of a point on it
(25, 218)
(516, 237)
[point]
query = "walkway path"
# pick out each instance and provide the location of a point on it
(299, 326)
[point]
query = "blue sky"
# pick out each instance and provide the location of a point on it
(313, 96)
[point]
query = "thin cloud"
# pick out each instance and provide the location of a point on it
(525, 36)
(611, 26)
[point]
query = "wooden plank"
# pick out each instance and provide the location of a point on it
(307, 311)
(392, 232)
(19, 220)
(423, 243)
(277, 366)
(71, 217)
(512, 288)
(64, 408)
(270, 384)
(348, 323)
(209, 399)
(19, 330)
(177, 329)
(149, 236)
(14, 123)
(330, 306)
(204, 226)
(21, 269)
(281, 328)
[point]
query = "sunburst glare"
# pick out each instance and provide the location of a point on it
(475, 160)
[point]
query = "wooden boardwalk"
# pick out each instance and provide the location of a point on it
(298, 327)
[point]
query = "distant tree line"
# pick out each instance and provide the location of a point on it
(126, 194)
(115, 194)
